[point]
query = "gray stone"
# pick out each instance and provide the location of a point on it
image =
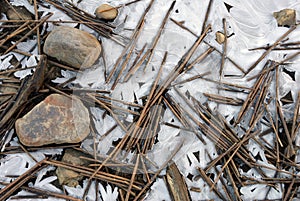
(106, 12)
(285, 17)
(18, 13)
(69, 177)
(56, 120)
(73, 47)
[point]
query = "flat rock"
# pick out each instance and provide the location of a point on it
(106, 11)
(69, 177)
(56, 120)
(285, 17)
(72, 46)
(18, 13)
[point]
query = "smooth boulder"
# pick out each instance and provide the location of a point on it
(73, 47)
(57, 119)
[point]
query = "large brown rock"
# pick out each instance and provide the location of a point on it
(73, 47)
(56, 120)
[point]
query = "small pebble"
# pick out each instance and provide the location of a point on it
(106, 12)
(285, 17)
(220, 37)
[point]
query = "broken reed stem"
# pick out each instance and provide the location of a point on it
(158, 172)
(295, 117)
(274, 66)
(137, 65)
(158, 35)
(273, 127)
(49, 193)
(236, 190)
(132, 177)
(290, 148)
(229, 59)
(17, 183)
(206, 16)
(224, 48)
(210, 183)
(223, 99)
(180, 66)
(109, 110)
(149, 102)
(128, 55)
(192, 78)
(132, 39)
(261, 97)
(19, 30)
(253, 94)
(103, 176)
(36, 15)
(30, 32)
(224, 184)
(134, 65)
(199, 59)
(270, 49)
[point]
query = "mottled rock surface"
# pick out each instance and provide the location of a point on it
(56, 120)
(69, 177)
(285, 17)
(106, 12)
(73, 47)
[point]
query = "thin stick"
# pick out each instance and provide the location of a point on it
(229, 59)
(274, 66)
(30, 32)
(224, 48)
(296, 114)
(137, 65)
(17, 183)
(37, 29)
(158, 172)
(19, 30)
(206, 16)
(50, 194)
(210, 183)
(158, 35)
(132, 178)
(128, 55)
(290, 148)
(131, 41)
(270, 49)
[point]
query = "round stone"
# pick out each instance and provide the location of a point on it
(72, 46)
(56, 120)
(106, 12)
